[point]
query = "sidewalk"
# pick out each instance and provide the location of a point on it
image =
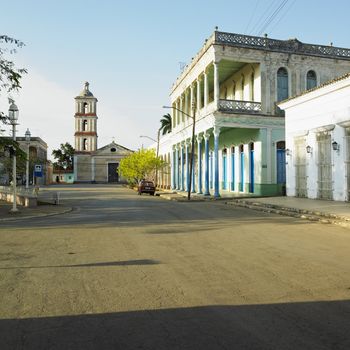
(26, 213)
(334, 212)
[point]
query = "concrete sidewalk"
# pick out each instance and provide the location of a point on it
(26, 213)
(311, 209)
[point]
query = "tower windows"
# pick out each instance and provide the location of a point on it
(85, 108)
(282, 84)
(85, 144)
(311, 80)
(85, 123)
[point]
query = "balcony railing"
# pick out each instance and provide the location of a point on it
(289, 46)
(234, 106)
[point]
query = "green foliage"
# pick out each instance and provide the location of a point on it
(64, 156)
(10, 75)
(140, 165)
(165, 124)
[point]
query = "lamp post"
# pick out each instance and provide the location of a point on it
(27, 137)
(193, 117)
(13, 117)
(157, 151)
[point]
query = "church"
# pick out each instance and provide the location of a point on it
(92, 164)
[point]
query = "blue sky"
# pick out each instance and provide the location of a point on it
(130, 54)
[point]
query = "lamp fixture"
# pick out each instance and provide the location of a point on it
(288, 152)
(308, 149)
(335, 146)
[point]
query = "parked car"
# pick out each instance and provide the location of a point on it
(146, 186)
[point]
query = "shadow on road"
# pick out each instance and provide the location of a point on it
(101, 264)
(307, 325)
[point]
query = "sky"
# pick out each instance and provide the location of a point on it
(131, 51)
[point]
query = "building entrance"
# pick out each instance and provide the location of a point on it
(113, 174)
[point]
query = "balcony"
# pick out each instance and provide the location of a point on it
(235, 106)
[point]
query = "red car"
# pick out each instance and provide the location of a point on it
(146, 186)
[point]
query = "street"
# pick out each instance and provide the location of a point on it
(123, 271)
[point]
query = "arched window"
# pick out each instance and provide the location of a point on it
(85, 122)
(311, 80)
(85, 144)
(282, 84)
(85, 108)
(252, 77)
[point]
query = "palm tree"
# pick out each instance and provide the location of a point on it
(165, 124)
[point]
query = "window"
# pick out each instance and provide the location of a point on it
(311, 80)
(282, 84)
(85, 108)
(113, 149)
(85, 122)
(85, 144)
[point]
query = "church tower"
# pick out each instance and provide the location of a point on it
(85, 122)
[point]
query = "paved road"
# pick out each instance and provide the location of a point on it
(128, 272)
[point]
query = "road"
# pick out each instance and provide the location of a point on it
(123, 271)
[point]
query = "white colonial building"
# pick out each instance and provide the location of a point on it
(234, 83)
(92, 164)
(318, 141)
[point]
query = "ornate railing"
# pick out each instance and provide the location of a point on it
(290, 46)
(234, 106)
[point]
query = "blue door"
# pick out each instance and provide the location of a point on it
(241, 177)
(281, 166)
(224, 170)
(251, 168)
(232, 171)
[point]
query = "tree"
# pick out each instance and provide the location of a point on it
(10, 75)
(140, 165)
(165, 124)
(64, 157)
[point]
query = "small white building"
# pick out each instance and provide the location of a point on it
(318, 141)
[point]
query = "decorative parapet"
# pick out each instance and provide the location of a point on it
(234, 106)
(290, 46)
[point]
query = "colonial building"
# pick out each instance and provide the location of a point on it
(318, 141)
(231, 87)
(92, 164)
(36, 148)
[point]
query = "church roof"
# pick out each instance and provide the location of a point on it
(118, 148)
(86, 92)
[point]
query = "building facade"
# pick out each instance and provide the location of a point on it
(318, 141)
(92, 164)
(231, 87)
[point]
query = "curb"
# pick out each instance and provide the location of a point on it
(322, 217)
(14, 218)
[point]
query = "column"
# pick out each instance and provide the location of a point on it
(199, 163)
(92, 169)
(206, 89)
(172, 170)
(181, 109)
(182, 168)
(177, 121)
(206, 161)
(216, 161)
(193, 164)
(177, 168)
(186, 106)
(191, 96)
(198, 95)
(216, 84)
(268, 155)
(187, 166)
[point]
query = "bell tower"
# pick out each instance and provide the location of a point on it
(85, 121)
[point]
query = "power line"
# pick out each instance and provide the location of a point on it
(273, 16)
(283, 15)
(261, 19)
(251, 17)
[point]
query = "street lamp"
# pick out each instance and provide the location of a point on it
(27, 137)
(193, 117)
(13, 117)
(157, 152)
